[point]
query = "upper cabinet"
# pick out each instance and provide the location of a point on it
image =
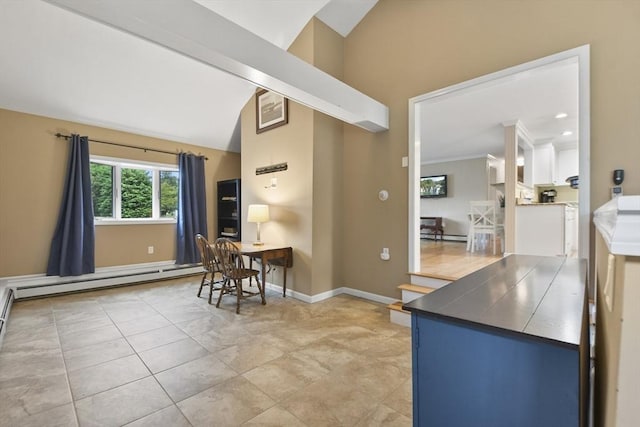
(544, 160)
(567, 165)
(496, 171)
(552, 166)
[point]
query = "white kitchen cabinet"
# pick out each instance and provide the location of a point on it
(540, 229)
(496, 172)
(552, 166)
(566, 164)
(544, 160)
(571, 231)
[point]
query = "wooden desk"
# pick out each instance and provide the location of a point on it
(433, 224)
(269, 254)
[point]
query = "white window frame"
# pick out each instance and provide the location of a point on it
(118, 164)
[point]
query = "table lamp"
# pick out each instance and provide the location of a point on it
(258, 214)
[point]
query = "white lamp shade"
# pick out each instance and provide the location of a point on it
(258, 213)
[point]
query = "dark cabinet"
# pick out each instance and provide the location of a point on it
(229, 212)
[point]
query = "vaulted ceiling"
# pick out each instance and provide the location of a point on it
(59, 64)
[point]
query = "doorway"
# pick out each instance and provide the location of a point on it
(419, 120)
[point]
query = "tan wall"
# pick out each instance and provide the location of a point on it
(33, 164)
(406, 48)
(290, 203)
(327, 171)
(306, 210)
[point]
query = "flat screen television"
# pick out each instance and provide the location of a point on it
(433, 186)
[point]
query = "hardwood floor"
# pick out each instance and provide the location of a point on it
(450, 260)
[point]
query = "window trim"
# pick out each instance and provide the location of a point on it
(118, 164)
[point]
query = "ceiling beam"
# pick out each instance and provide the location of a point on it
(197, 32)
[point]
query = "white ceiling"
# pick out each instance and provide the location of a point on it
(469, 123)
(58, 64)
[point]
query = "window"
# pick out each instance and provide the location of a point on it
(125, 191)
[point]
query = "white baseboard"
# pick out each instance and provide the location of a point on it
(368, 295)
(40, 285)
(332, 293)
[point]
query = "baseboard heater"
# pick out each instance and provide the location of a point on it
(36, 286)
(6, 299)
(449, 237)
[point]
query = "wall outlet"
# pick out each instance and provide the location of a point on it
(384, 255)
(150, 250)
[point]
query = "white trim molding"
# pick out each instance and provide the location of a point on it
(310, 299)
(581, 55)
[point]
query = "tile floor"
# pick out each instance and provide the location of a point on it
(156, 355)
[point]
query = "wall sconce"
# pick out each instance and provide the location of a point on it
(273, 185)
(258, 214)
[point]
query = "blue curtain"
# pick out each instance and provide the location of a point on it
(192, 207)
(73, 243)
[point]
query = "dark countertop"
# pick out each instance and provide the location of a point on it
(533, 295)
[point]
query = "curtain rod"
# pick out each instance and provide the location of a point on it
(59, 135)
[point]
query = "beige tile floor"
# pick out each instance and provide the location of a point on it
(156, 355)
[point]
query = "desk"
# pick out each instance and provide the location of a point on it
(269, 254)
(433, 224)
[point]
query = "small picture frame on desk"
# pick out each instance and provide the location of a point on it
(272, 110)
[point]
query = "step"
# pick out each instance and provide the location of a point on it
(416, 288)
(399, 316)
(430, 281)
(397, 306)
(411, 292)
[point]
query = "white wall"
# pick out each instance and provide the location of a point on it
(466, 180)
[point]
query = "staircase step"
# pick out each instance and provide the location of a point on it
(416, 288)
(397, 306)
(399, 316)
(430, 280)
(411, 292)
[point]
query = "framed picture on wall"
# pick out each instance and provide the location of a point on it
(272, 110)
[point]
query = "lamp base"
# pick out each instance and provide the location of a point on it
(258, 243)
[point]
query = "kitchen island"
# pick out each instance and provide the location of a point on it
(504, 346)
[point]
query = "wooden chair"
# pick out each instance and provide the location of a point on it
(484, 220)
(209, 265)
(233, 271)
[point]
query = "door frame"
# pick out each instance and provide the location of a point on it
(582, 55)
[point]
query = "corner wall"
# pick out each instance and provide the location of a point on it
(33, 166)
(305, 207)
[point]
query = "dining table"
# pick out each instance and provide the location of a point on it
(273, 254)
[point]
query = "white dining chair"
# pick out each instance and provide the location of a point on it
(484, 220)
